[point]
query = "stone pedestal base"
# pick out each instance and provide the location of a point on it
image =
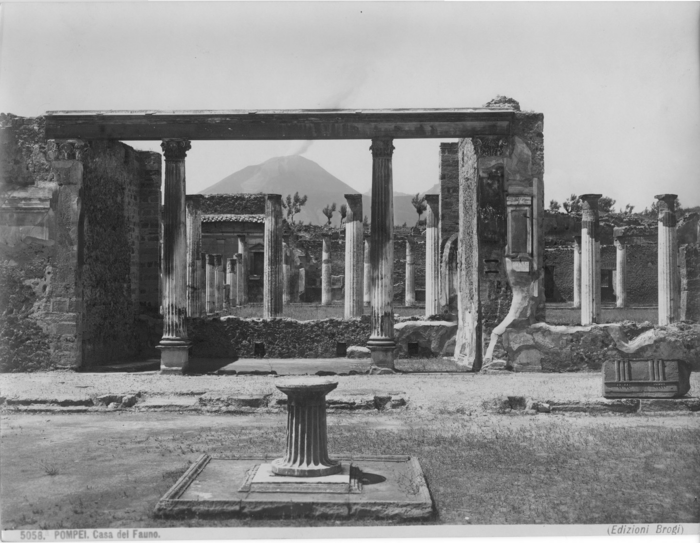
(174, 356)
(383, 354)
(646, 378)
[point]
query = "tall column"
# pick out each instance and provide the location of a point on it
(174, 345)
(577, 271)
(410, 296)
(240, 278)
(668, 260)
(242, 271)
(590, 260)
(432, 255)
(621, 268)
(211, 284)
(231, 280)
(381, 340)
(286, 275)
(326, 296)
(194, 246)
(219, 277)
(354, 280)
(367, 276)
(272, 283)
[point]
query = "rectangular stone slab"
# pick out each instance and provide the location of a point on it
(645, 378)
(391, 487)
(262, 479)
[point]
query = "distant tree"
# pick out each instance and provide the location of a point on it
(605, 204)
(653, 212)
(328, 211)
(628, 209)
(554, 206)
(572, 204)
(420, 204)
(293, 205)
(343, 213)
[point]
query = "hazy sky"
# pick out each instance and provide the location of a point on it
(619, 84)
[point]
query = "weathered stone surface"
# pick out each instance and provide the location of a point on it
(549, 348)
(597, 406)
(355, 351)
(234, 400)
(432, 337)
(663, 405)
(645, 378)
(169, 403)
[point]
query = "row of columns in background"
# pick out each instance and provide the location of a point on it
(587, 270)
(174, 344)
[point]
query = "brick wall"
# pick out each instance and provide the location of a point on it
(149, 231)
(449, 191)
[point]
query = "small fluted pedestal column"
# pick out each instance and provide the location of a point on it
(306, 453)
(432, 255)
(272, 281)
(668, 260)
(326, 293)
(367, 276)
(410, 296)
(174, 345)
(577, 272)
(621, 278)
(381, 340)
(353, 257)
(590, 260)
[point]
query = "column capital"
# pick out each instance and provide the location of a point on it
(490, 145)
(273, 197)
(382, 147)
(238, 256)
(354, 212)
(590, 200)
(73, 149)
(175, 149)
(670, 199)
(211, 259)
(433, 200)
(241, 237)
(620, 242)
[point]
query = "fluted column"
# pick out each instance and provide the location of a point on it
(410, 296)
(306, 453)
(590, 260)
(242, 271)
(240, 279)
(272, 283)
(432, 255)
(381, 341)
(231, 280)
(367, 276)
(219, 283)
(577, 271)
(354, 272)
(286, 275)
(211, 284)
(668, 260)
(326, 293)
(174, 345)
(194, 246)
(621, 276)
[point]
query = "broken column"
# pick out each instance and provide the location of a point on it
(242, 271)
(381, 341)
(410, 296)
(668, 260)
(231, 280)
(306, 453)
(590, 260)
(174, 345)
(367, 276)
(432, 255)
(211, 284)
(577, 271)
(621, 275)
(272, 281)
(354, 234)
(326, 292)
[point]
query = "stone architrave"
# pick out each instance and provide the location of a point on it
(326, 291)
(367, 279)
(590, 260)
(272, 282)
(577, 271)
(669, 280)
(286, 275)
(432, 255)
(306, 453)
(381, 341)
(218, 283)
(231, 280)
(354, 272)
(410, 296)
(621, 276)
(242, 271)
(211, 284)
(174, 345)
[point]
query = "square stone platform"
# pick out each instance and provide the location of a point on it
(382, 487)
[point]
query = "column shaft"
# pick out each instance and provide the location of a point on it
(381, 340)
(432, 255)
(577, 272)
(326, 293)
(231, 280)
(354, 272)
(219, 285)
(410, 296)
(367, 276)
(211, 284)
(621, 268)
(668, 278)
(590, 260)
(286, 275)
(242, 271)
(174, 344)
(272, 283)
(194, 242)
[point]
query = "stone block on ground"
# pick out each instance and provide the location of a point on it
(645, 378)
(211, 399)
(170, 403)
(595, 406)
(663, 405)
(355, 351)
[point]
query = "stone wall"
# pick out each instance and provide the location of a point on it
(449, 191)
(149, 199)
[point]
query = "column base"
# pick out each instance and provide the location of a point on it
(174, 355)
(383, 352)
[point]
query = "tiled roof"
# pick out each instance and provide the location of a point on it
(234, 218)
